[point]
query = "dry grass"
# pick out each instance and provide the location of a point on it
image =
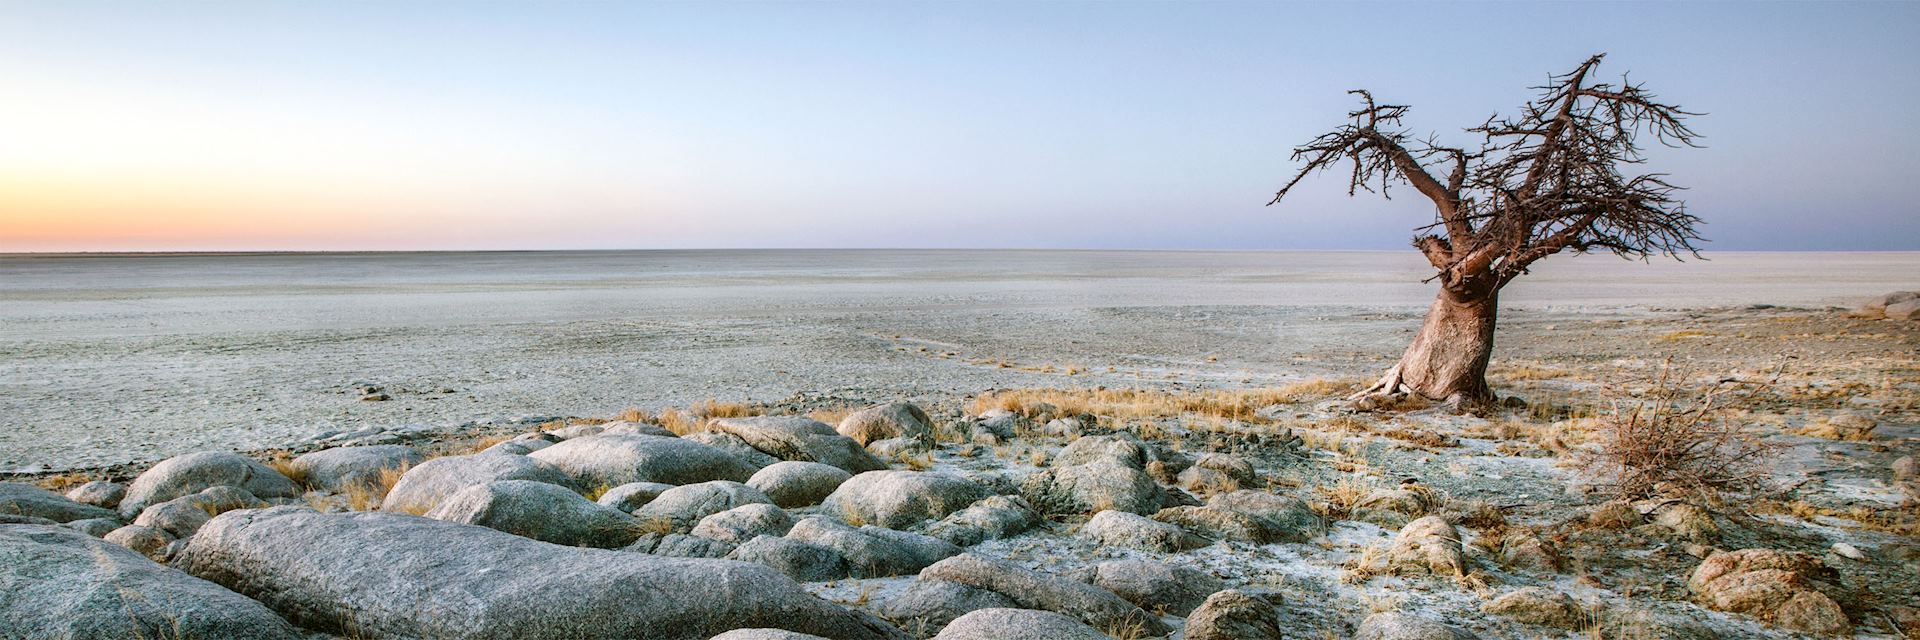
(711, 408)
(680, 422)
(367, 497)
(65, 481)
(1515, 372)
(832, 416)
(281, 462)
(1143, 404)
(636, 414)
(1687, 334)
(1338, 500)
(482, 444)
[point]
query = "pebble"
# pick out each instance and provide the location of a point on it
(1848, 551)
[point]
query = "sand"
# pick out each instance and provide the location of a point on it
(107, 360)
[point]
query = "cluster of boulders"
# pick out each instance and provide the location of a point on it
(1899, 305)
(626, 529)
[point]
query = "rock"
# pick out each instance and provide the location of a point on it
(901, 499)
(732, 444)
(991, 519)
(1530, 552)
(1087, 603)
(1788, 589)
(577, 431)
(1393, 625)
(1000, 423)
(1103, 484)
(1017, 624)
(765, 634)
(1428, 545)
(14, 518)
(99, 493)
(343, 467)
(1233, 615)
(182, 516)
(1134, 531)
(1392, 507)
(630, 428)
(422, 488)
(680, 545)
(187, 474)
(1288, 519)
(540, 511)
(1909, 310)
(23, 499)
(1535, 605)
(1234, 467)
(1065, 427)
(619, 459)
(681, 507)
(1878, 306)
(802, 561)
(1906, 469)
(873, 552)
(1122, 448)
(794, 484)
(885, 421)
(1616, 514)
(804, 439)
(513, 447)
(897, 448)
(96, 527)
(1689, 521)
(146, 541)
(632, 495)
(1157, 586)
(60, 583)
(743, 523)
(1224, 524)
(1847, 551)
(926, 605)
(390, 575)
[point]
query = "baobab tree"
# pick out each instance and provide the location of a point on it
(1551, 179)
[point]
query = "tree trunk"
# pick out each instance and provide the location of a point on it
(1448, 359)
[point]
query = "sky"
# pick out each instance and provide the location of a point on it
(258, 125)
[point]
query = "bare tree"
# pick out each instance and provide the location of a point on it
(1551, 179)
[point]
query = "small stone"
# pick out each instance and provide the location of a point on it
(1234, 615)
(1848, 551)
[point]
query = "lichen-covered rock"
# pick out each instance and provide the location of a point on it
(182, 516)
(794, 483)
(1017, 624)
(60, 583)
(577, 431)
(539, 511)
(873, 552)
(1394, 625)
(339, 468)
(1216, 523)
(188, 474)
(680, 545)
(1103, 484)
(1120, 447)
(614, 460)
(23, 499)
(1157, 586)
(96, 527)
(1429, 545)
(902, 499)
(733, 445)
(630, 428)
(804, 439)
(1393, 506)
(1531, 553)
(1289, 519)
(897, 448)
(390, 575)
(1134, 531)
(1689, 521)
(800, 560)
(765, 634)
(1535, 605)
(632, 495)
(422, 488)
(743, 523)
(1234, 615)
(146, 541)
(991, 519)
(886, 421)
(926, 605)
(681, 507)
(1788, 589)
(1087, 603)
(99, 493)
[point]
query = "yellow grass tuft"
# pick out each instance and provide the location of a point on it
(367, 497)
(711, 408)
(1142, 404)
(832, 416)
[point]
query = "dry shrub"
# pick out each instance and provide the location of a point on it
(680, 422)
(636, 414)
(1679, 442)
(711, 408)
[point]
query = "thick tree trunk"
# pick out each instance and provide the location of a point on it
(1448, 359)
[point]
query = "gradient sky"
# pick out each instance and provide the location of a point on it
(439, 125)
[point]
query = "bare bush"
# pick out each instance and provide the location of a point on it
(1680, 442)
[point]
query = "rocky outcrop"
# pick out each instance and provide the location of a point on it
(1134, 531)
(991, 519)
(632, 495)
(734, 446)
(682, 507)
(182, 516)
(539, 511)
(614, 460)
(389, 575)
(1428, 545)
(99, 493)
(1017, 624)
(803, 439)
(27, 500)
(146, 541)
(1157, 586)
(1123, 448)
(1788, 589)
(1102, 484)
(765, 634)
(743, 523)
(1286, 519)
(926, 605)
(800, 560)
(1087, 603)
(1535, 605)
(1234, 615)
(873, 552)
(56, 583)
(193, 472)
(1215, 523)
(902, 499)
(343, 467)
(794, 483)
(422, 488)
(1394, 625)
(887, 421)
